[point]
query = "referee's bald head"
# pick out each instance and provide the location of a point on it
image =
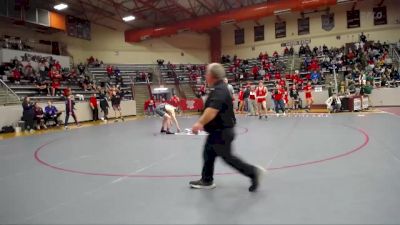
(216, 70)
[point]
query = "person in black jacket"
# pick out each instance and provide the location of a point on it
(218, 119)
(28, 114)
(104, 104)
(69, 111)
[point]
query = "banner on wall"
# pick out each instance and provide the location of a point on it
(259, 33)
(328, 21)
(78, 28)
(296, 42)
(303, 26)
(190, 104)
(380, 17)
(280, 29)
(239, 36)
(353, 19)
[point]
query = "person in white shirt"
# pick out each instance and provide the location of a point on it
(333, 103)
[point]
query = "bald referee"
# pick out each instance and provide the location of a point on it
(218, 120)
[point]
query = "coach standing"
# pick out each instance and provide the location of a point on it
(218, 120)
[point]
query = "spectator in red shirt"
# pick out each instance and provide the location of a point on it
(255, 72)
(67, 92)
(16, 76)
(57, 65)
(175, 101)
(286, 51)
(282, 82)
(55, 81)
(275, 54)
(278, 99)
(203, 90)
(277, 75)
(110, 71)
(94, 107)
(241, 100)
(150, 106)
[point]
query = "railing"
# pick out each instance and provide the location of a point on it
(394, 54)
(11, 96)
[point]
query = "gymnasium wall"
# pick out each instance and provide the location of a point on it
(11, 114)
(110, 47)
(318, 36)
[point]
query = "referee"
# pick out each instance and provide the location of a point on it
(218, 119)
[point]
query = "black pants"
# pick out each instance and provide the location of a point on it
(105, 111)
(29, 121)
(219, 143)
(67, 117)
(48, 118)
(95, 112)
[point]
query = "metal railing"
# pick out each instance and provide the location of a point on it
(11, 96)
(394, 54)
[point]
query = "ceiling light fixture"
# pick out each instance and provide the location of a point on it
(128, 18)
(61, 6)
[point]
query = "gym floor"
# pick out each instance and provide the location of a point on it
(325, 169)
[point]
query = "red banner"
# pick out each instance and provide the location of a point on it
(192, 104)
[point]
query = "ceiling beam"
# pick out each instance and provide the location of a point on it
(152, 7)
(184, 9)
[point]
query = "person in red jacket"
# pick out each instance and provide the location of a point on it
(55, 77)
(282, 82)
(277, 75)
(110, 71)
(255, 71)
(57, 65)
(307, 90)
(16, 76)
(279, 99)
(261, 96)
(94, 106)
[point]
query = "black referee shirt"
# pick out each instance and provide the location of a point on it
(220, 99)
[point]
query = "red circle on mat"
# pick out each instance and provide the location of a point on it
(344, 154)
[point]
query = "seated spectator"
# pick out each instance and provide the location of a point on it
(41, 85)
(71, 76)
(282, 82)
(255, 71)
(16, 76)
(291, 50)
(51, 113)
(333, 104)
(277, 75)
(160, 62)
(39, 117)
(286, 51)
(117, 71)
(315, 76)
(302, 50)
(81, 69)
(57, 65)
(29, 73)
(119, 80)
(275, 54)
(110, 71)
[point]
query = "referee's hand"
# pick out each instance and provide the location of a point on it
(197, 127)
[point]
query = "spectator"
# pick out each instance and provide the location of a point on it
(278, 99)
(109, 71)
(315, 76)
(93, 106)
(81, 69)
(28, 114)
(150, 107)
(116, 105)
(16, 76)
(104, 104)
(41, 85)
(294, 95)
(55, 77)
(51, 113)
(70, 111)
(39, 117)
(255, 71)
